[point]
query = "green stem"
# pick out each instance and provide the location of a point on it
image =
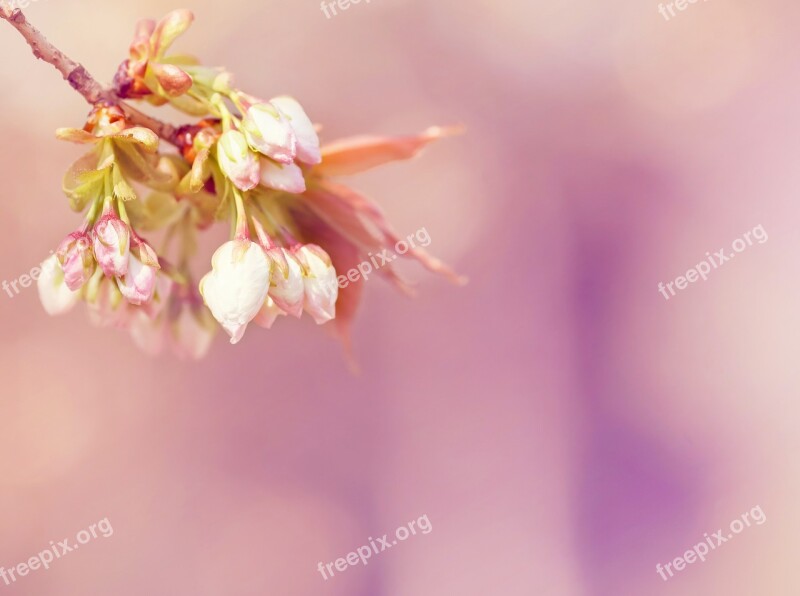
(242, 229)
(123, 213)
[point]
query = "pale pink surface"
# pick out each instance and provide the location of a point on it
(563, 427)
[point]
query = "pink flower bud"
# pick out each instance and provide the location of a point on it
(76, 259)
(112, 239)
(139, 282)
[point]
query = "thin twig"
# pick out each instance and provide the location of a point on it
(78, 77)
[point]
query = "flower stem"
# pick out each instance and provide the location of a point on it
(242, 229)
(78, 77)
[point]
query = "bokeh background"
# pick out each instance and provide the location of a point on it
(563, 426)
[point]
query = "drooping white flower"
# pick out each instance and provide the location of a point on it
(269, 132)
(268, 313)
(237, 285)
(285, 177)
(54, 294)
(236, 159)
(287, 287)
(308, 150)
(320, 283)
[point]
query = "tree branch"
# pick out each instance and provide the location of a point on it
(78, 77)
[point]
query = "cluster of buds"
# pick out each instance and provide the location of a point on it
(256, 163)
(276, 139)
(257, 281)
(110, 249)
(106, 263)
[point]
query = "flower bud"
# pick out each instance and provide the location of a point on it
(106, 304)
(270, 133)
(193, 332)
(112, 244)
(148, 334)
(268, 313)
(287, 288)
(237, 161)
(285, 177)
(173, 80)
(54, 294)
(216, 79)
(308, 150)
(139, 281)
(164, 288)
(76, 259)
(321, 286)
(236, 286)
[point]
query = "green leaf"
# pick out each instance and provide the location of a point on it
(121, 187)
(83, 183)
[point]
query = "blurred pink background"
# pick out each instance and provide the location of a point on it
(563, 427)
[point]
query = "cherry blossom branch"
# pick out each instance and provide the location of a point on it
(78, 77)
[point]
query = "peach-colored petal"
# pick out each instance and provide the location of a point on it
(342, 217)
(140, 46)
(170, 28)
(358, 154)
(76, 135)
(369, 210)
(144, 137)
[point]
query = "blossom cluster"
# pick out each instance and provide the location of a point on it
(257, 163)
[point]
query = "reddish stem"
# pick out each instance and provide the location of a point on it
(78, 77)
